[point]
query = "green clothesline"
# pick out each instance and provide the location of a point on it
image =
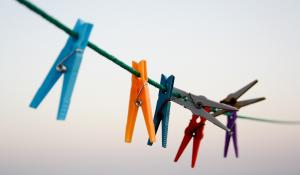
(102, 52)
(269, 120)
(91, 45)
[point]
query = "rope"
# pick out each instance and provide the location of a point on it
(91, 45)
(270, 121)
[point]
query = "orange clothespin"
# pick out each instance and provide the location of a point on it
(139, 96)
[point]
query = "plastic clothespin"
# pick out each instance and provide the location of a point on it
(67, 64)
(162, 110)
(196, 105)
(193, 130)
(231, 118)
(233, 100)
(139, 97)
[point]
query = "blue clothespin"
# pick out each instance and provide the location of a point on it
(163, 105)
(67, 63)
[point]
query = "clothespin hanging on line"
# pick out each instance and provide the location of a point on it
(193, 130)
(196, 105)
(67, 64)
(139, 97)
(231, 123)
(162, 110)
(232, 100)
(199, 106)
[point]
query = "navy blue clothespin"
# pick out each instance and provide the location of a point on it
(67, 63)
(162, 110)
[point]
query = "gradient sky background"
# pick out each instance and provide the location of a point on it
(212, 47)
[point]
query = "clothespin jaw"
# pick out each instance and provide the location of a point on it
(231, 123)
(162, 110)
(244, 103)
(232, 99)
(139, 96)
(67, 64)
(196, 105)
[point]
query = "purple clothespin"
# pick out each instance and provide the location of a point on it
(233, 100)
(231, 118)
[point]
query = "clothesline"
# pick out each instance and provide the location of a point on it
(120, 63)
(269, 120)
(91, 45)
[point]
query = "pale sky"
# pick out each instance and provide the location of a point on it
(212, 47)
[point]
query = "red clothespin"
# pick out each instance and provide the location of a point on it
(139, 97)
(194, 129)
